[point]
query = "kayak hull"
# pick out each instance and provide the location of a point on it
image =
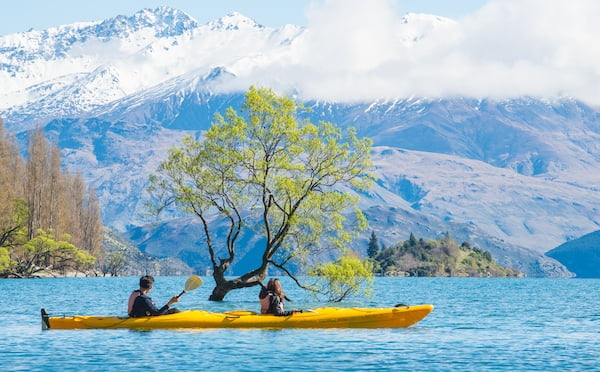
(326, 317)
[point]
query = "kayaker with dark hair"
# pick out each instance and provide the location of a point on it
(141, 305)
(271, 299)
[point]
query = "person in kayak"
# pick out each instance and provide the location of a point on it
(141, 305)
(271, 299)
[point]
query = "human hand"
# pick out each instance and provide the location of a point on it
(173, 300)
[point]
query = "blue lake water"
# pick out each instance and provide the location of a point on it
(477, 325)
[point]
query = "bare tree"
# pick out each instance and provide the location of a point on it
(36, 184)
(92, 225)
(55, 189)
(38, 197)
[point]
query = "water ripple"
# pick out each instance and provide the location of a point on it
(477, 325)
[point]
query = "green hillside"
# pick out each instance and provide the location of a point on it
(581, 256)
(441, 257)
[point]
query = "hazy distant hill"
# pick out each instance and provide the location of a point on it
(581, 256)
(137, 263)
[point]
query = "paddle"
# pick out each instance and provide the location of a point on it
(192, 283)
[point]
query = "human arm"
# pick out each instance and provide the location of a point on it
(263, 293)
(144, 306)
(172, 301)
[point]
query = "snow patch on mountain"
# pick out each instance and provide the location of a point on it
(125, 55)
(233, 21)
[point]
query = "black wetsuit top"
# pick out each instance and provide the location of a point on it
(143, 306)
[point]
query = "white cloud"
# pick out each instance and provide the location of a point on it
(361, 50)
(356, 50)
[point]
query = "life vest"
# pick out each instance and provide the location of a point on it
(135, 294)
(265, 302)
(276, 305)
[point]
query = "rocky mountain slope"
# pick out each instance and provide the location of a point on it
(136, 263)
(516, 177)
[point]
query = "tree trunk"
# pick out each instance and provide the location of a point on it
(219, 293)
(224, 286)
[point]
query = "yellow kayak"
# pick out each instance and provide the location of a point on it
(325, 317)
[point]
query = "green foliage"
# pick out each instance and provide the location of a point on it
(5, 262)
(441, 257)
(24, 258)
(36, 195)
(13, 225)
(347, 276)
(278, 171)
(44, 251)
(114, 263)
(13, 233)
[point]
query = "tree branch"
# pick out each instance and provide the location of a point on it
(289, 273)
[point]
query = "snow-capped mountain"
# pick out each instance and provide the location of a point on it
(518, 176)
(70, 70)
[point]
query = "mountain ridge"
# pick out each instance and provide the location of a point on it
(516, 176)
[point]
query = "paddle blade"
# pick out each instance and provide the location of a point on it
(192, 283)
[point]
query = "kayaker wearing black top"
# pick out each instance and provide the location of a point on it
(141, 305)
(271, 299)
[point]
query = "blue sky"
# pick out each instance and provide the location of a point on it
(21, 15)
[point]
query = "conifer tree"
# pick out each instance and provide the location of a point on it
(412, 240)
(373, 245)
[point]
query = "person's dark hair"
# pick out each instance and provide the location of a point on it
(274, 285)
(146, 281)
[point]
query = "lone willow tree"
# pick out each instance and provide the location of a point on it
(267, 170)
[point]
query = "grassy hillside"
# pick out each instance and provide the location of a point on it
(442, 257)
(581, 256)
